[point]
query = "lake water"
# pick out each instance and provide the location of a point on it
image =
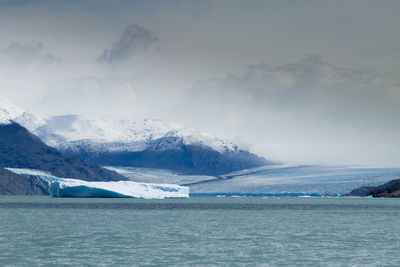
(43, 231)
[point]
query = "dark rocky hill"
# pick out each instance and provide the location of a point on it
(13, 184)
(172, 153)
(21, 149)
(390, 189)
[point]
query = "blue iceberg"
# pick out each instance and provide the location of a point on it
(65, 187)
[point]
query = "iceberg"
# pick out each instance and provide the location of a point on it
(66, 187)
(78, 188)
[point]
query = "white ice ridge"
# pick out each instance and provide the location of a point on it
(65, 187)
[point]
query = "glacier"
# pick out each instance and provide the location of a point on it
(158, 176)
(282, 180)
(295, 180)
(67, 187)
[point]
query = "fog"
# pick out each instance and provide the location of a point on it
(297, 82)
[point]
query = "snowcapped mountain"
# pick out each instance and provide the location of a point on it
(68, 131)
(107, 134)
(131, 143)
(8, 111)
(29, 120)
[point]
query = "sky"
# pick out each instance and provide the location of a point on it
(294, 81)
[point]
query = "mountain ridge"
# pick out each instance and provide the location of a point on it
(146, 143)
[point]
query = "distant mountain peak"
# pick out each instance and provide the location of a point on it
(30, 120)
(63, 129)
(8, 111)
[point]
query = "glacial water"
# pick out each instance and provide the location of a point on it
(212, 231)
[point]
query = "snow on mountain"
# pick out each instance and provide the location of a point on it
(8, 111)
(30, 120)
(4, 117)
(109, 134)
(121, 134)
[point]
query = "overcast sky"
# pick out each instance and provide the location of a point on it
(295, 81)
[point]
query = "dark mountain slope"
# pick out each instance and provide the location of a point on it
(390, 189)
(21, 149)
(13, 184)
(172, 153)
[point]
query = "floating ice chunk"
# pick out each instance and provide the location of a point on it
(79, 188)
(65, 187)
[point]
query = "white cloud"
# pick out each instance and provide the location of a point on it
(25, 68)
(90, 95)
(26, 53)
